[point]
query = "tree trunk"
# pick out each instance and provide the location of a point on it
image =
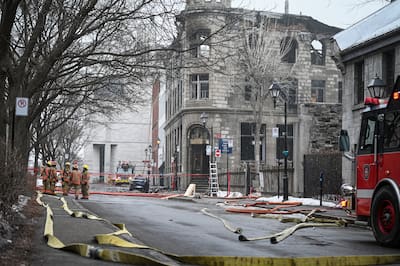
(22, 137)
(258, 116)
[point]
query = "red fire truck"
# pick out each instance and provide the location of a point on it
(377, 192)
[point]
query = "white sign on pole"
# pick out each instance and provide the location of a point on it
(21, 106)
(208, 150)
(230, 143)
(275, 132)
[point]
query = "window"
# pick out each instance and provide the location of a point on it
(392, 131)
(247, 132)
(280, 141)
(388, 65)
(288, 50)
(247, 89)
(289, 86)
(317, 90)
(199, 86)
(359, 82)
(317, 53)
(367, 135)
(199, 46)
(340, 92)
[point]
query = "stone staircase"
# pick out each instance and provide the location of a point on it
(201, 184)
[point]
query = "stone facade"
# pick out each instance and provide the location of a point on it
(313, 93)
(360, 62)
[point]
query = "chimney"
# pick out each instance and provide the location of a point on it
(286, 7)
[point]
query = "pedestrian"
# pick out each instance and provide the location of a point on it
(85, 182)
(53, 179)
(45, 177)
(75, 180)
(65, 178)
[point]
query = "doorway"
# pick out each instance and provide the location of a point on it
(197, 159)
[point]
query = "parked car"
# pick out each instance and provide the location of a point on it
(140, 183)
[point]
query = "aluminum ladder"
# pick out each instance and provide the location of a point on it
(213, 182)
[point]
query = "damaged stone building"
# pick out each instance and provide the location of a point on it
(208, 80)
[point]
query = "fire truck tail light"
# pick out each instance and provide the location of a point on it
(396, 95)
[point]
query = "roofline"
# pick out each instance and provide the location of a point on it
(371, 45)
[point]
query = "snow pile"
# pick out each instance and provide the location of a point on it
(304, 201)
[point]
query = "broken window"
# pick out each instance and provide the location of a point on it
(289, 50)
(199, 44)
(317, 53)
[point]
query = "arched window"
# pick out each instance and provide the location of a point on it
(289, 50)
(317, 53)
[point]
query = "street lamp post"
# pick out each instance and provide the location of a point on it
(204, 119)
(275, 91)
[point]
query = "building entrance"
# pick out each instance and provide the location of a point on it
(197, 159)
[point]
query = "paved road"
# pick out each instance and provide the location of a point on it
(181, 228)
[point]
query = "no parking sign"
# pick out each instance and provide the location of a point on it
(21, 106)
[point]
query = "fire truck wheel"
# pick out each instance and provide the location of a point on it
(385, 217)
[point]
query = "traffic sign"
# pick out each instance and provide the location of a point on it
(21, 106)
(217, 153)
(225, 145)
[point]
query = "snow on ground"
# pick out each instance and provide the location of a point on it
(304, 201)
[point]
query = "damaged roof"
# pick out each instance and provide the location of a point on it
(308, 22)
(379, 24)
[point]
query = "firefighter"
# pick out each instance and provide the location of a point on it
(75, 179)
(85, 182)
(65, 178)
(53, 177)
(45, 177)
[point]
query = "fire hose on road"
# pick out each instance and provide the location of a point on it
(308, 221)
(163, 258)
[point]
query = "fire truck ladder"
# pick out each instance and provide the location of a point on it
(213, 182)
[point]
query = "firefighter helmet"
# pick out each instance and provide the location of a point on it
(48, 163)
(86, 167)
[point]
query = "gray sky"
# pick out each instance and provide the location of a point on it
(339, 13)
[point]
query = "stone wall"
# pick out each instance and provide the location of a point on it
(324, 127)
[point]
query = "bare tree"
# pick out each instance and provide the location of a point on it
(66, 56)
(260, 58)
